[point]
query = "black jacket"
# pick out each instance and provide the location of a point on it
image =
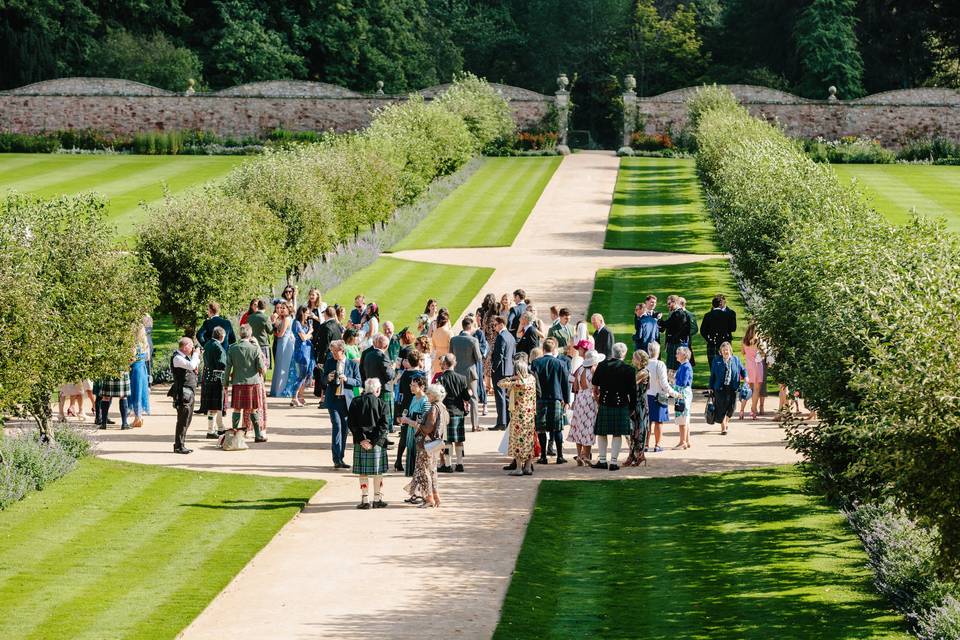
(553, 378)
(367, 420)
(323, 334)
(205, 333)
(603, 341)
(501, 360)
(375, 364)
(679, 326)
(718, 326)
(529, 341)
(458, 391)
(618, 383)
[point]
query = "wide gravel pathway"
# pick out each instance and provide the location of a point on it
(403, 572)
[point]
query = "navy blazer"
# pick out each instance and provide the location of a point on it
(718, 371)
(351, 371)
(501, 361)
(646, 330)
(553, 377)
(205, 334)
(513, 317)
(482, 339)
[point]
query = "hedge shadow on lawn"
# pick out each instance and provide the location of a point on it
(658, 206)
(734, 555)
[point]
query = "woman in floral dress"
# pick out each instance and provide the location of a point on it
(584, 408)
(522, 386)
(640, 416)
(486, 315)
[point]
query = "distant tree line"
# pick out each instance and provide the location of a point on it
(860, 46)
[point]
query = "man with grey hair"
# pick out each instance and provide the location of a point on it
(183, 366)
(602, 336)
(375, 363)
(340, 375)
(456, 402)
(617, 382)
(368, 424)
(528, 335)
(469, 357)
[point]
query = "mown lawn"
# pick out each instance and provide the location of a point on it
(488, 210)
(734, 555)
(658, 206)
(119, 550)
(896, 189)
(617, 291)
(126, 180)
(401, 288)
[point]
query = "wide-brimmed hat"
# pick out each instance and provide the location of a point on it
(584, 344)
(593, 358)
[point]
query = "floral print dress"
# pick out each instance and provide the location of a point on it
(523, 412)
(584, 412)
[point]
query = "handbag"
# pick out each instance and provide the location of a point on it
(433, 446)
(710, 413)
(679, 406)
(663, 398)
(745, 392)
(233, 440)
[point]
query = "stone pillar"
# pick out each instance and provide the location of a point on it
(629, 113)
(563, 113)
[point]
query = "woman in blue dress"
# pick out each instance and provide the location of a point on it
(419, 406)
(139, 401)
(303, 362)
(284, 343)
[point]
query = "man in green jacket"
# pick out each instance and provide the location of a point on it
(244, 372)
(261, 326)
(561, 331)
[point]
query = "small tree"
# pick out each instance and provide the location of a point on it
(827, 45)
(153, 60)
(486, 113)
(88, 297)
(209, 246)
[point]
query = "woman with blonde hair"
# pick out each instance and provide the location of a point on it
(139, 401)
(659, 393)
(441, 336)
(640, 414)
(753, 362)
(683, 384)
(424, 345)
(522, 388)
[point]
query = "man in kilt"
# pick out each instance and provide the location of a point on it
(368, 424)
(553, 390)
(110, 388)
(211, 384)
(456, 401)
(183, 365)
(616, 382)
(243, 373)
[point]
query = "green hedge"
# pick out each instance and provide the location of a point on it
(861, 314)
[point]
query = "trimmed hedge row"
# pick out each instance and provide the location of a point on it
(321, 196)
(860, 312)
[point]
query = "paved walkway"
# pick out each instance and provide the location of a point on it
(336, 572)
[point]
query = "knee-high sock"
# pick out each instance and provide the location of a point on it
(211, 428)
(602, 442)
(458, 448)
(558, 442)
(364, 487)
(542, 439)
(617, 441)
(255, 420)
(377, 487)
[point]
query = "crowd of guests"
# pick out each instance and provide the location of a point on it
(417, 389)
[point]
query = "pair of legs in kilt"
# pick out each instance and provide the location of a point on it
(365, 482)
(614, 454)
(254, 420)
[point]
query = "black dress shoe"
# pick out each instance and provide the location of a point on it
(445, 469)
(102, 426)
(182, 450)
(511, 466)
(125, 427)
(220, 432)
(109, 421)
(561, 460)
(542, 460)
(397, 466)
(614, 467)
(344, 465)
(261, 439)
(458, 468)
(600, 465)
(379, 504)
(363, 505)
(212, 436)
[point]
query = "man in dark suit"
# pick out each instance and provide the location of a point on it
(529, 337)
(553, 390)
(646, 328)
(602, 336)
(517, 310)
(718, 326)
(617, 382)
(501, 363)
(214, 319)
(679, 327)
(466, 349)
(456, 401)
(324, 333)
(375, 363)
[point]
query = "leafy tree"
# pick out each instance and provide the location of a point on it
(827, 47)
(226, 258)
(153, 60)
(667, 51)
(88, 297)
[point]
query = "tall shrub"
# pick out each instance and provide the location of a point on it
(486, 113)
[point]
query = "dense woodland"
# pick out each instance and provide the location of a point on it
(861, 46)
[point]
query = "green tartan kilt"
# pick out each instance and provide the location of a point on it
(116, 387)
(370, 463)
(387, 397)
(613, 421)
(455, 431)
(549, 416)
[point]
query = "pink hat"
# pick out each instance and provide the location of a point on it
(585, 344)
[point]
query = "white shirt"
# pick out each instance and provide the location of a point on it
(659, 383)
(180, 360)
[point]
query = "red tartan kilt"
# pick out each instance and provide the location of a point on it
(245, 396)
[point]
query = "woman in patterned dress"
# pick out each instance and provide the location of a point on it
(441, 336)
(423, 489)
(640, 415)
(486, 315)
(522, 386)
(584, 407)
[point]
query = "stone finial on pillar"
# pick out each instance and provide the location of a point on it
(191, 87)
(831, 94)
(379, 87)
(629, 114)
(562, 102)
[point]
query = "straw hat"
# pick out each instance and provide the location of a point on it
(593, 358)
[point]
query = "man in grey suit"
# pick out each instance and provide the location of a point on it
(466, 349)
(501, 364)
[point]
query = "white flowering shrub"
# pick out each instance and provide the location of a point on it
(485, 112)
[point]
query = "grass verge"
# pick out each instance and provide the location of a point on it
(658, 206)
(119, 550)
(735, 555)
(488, 210)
